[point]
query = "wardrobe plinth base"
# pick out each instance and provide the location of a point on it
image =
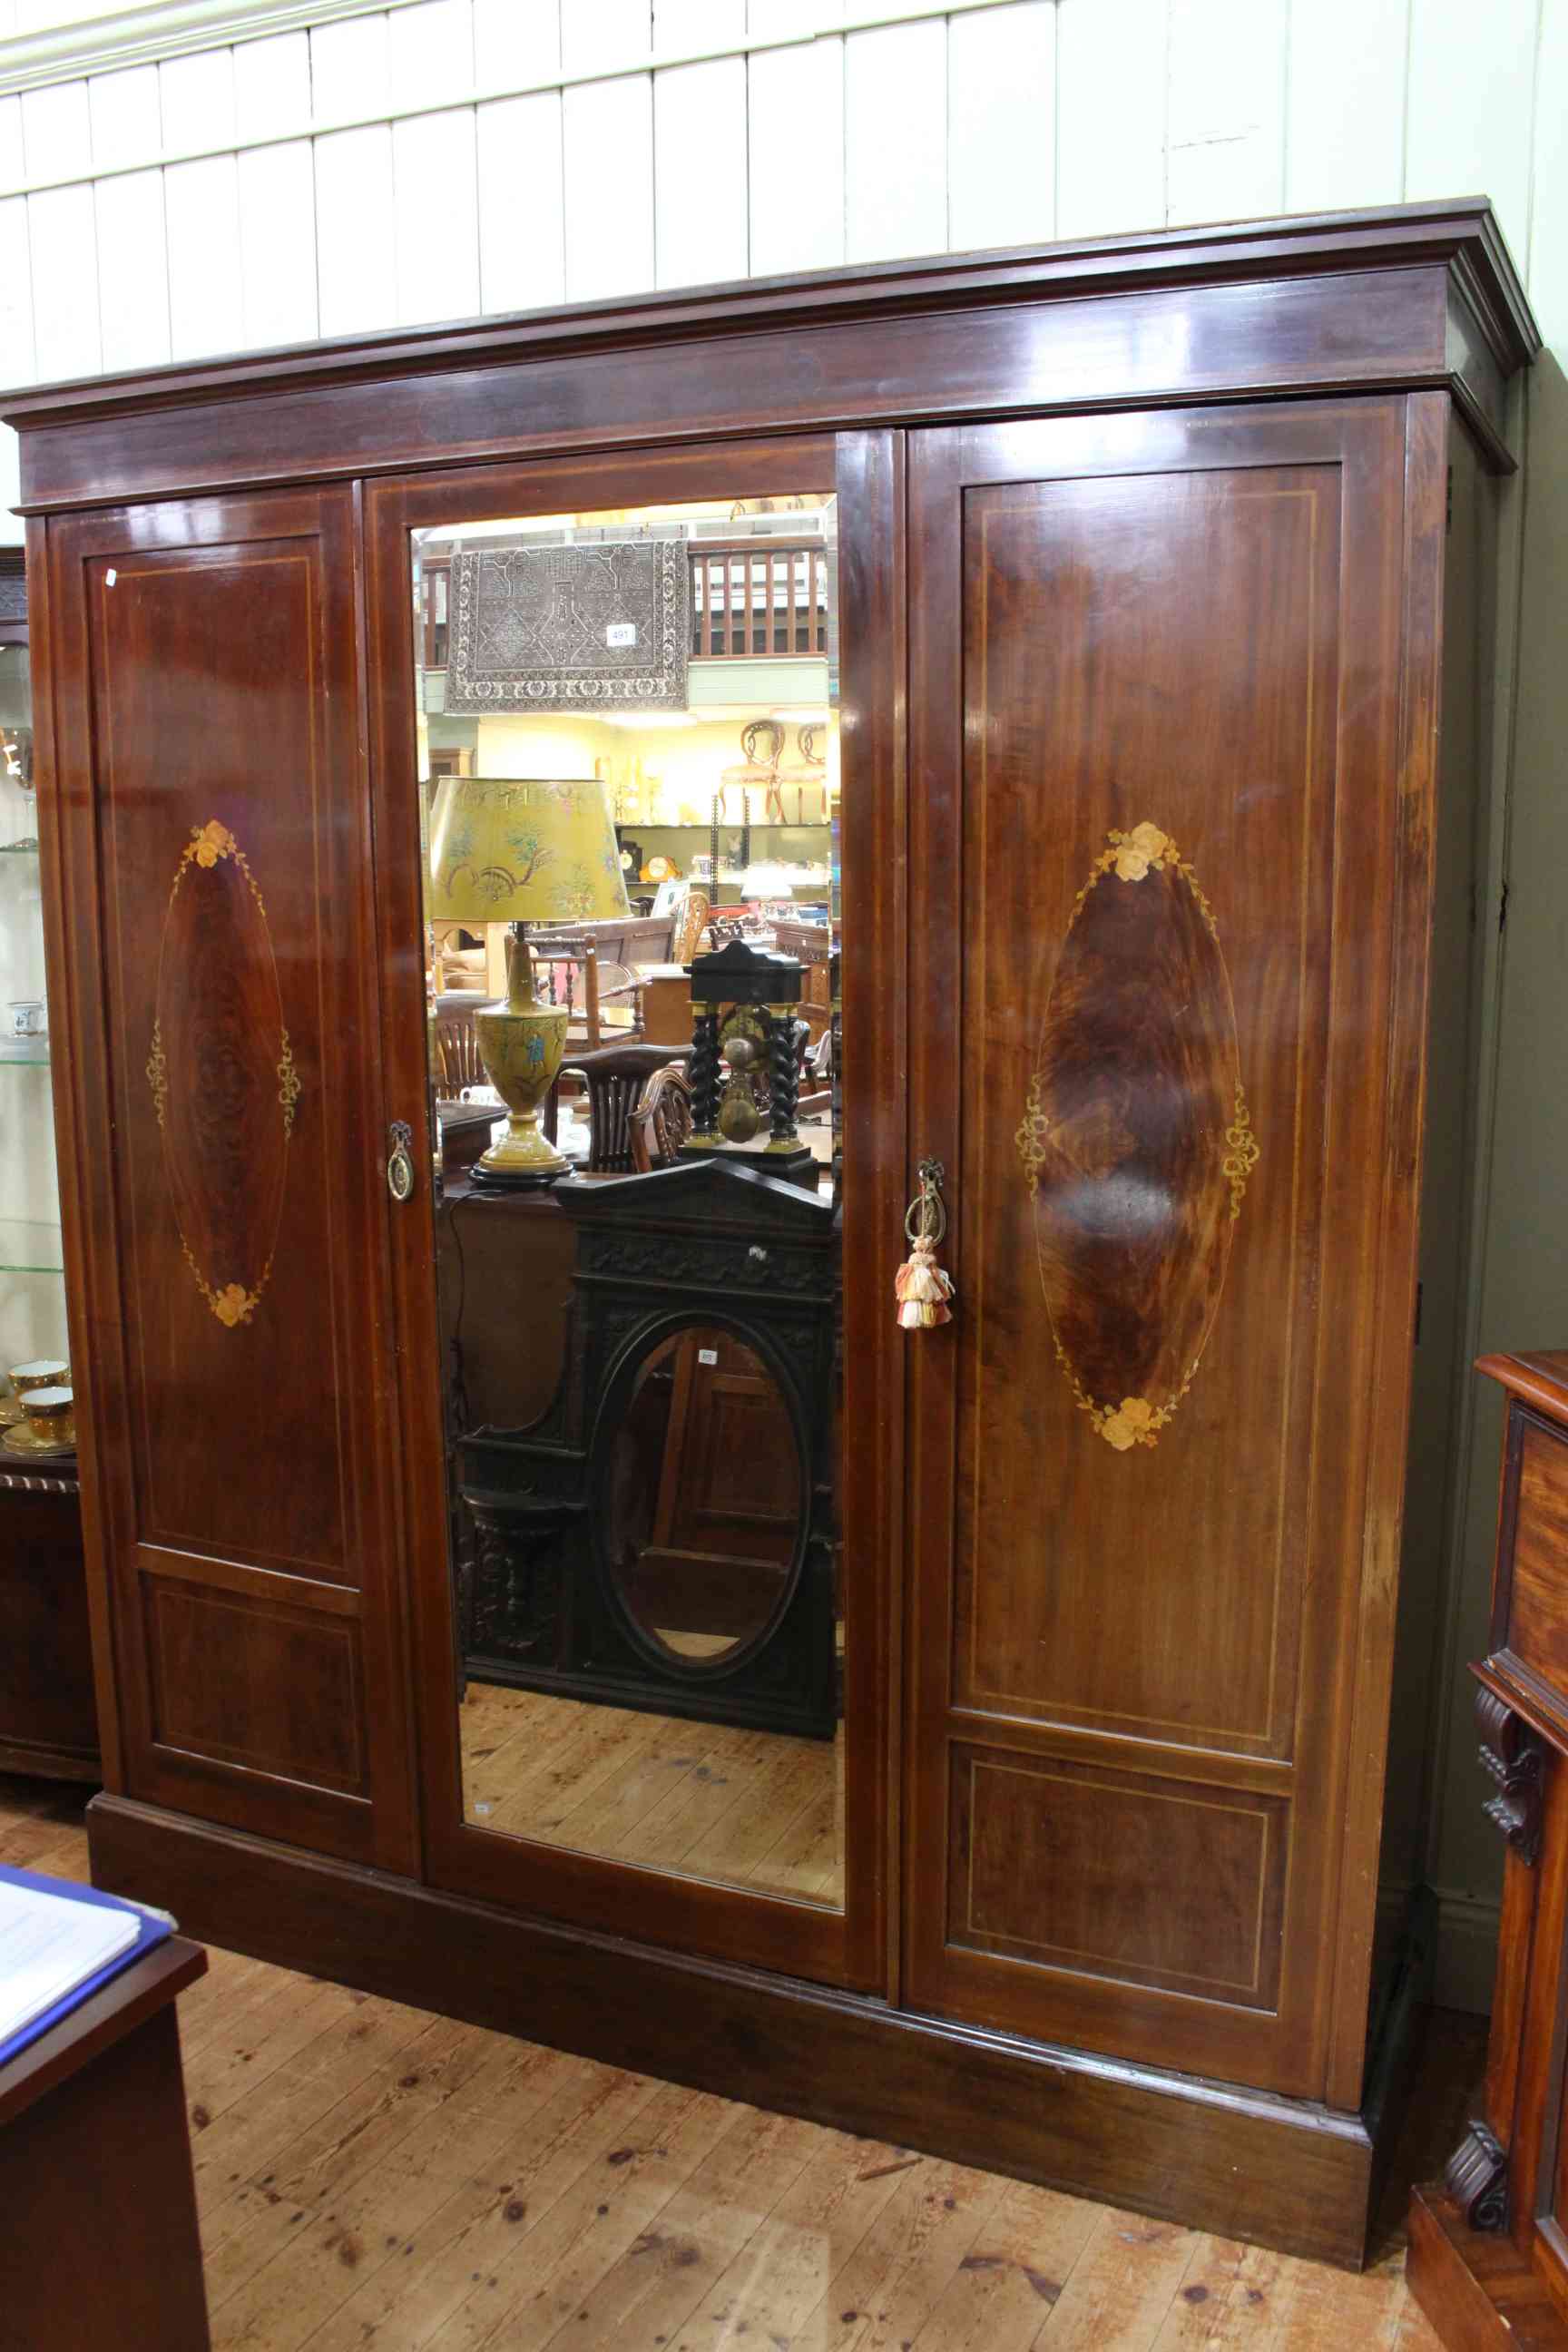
(1285, 2173)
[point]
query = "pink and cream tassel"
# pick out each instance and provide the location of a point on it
(922, 1287)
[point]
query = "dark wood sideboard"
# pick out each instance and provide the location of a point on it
(1489, 2244)
(49, 1721)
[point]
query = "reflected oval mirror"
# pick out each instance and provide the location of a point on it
(704, 1497)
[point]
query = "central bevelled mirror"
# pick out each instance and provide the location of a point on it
(627, 726)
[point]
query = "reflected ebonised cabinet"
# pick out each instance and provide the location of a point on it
(699, 1583)
(1144, 569)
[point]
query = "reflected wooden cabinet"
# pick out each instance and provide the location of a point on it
(1153, 574)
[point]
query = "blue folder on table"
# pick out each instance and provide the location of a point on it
(153, 1928)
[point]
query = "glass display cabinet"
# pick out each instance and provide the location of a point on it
(47, 1722)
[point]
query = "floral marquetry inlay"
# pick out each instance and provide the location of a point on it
(225, 1084)
(289, 1086)
(1136, 1143)
(158, 1071)
(208, 843)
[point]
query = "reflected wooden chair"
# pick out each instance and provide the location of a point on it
(605, 999)
(816, 1077)
(615, 1076)
(689, 936)
(457, 1063)
(662, 1119)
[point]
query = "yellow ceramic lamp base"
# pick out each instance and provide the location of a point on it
(522, 850)
(520, 1044)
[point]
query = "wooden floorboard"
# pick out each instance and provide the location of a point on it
(711, 1800)
(371, 2176)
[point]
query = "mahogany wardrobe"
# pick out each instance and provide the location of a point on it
(1121, 619)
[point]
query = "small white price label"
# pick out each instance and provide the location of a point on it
(621, 633)
(706, 1355)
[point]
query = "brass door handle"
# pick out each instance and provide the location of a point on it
(400, 1161)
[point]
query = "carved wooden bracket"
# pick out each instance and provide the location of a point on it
(1516, 1761)
(1475, 2178)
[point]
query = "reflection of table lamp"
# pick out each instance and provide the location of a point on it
(522, 852)
(768, 880)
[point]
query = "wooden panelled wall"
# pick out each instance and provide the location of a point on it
(441, 157)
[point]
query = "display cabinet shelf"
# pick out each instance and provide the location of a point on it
(30, 1245)
(25, 1052)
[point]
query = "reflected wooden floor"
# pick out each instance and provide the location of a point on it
(746, 1808)
(372, 2176)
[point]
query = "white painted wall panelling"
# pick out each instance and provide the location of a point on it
(430, 52)
(16, 363)
(277, 244)
(201, 205)
(57, 129)
(700, 201)
(133, 272)
(1344, 133)
(895, 141)
(521, 203)
(701, 197)
(515, 41)
(1001, 125)
(356, 242)
(795, 139)
(436, 216)
(607, 145)
(62, 235)
(272, 86)
(1470, 102)
(197, 99)
(126, 116)
(605, 33)
(13, 159)
(1111, 83)
(1226, 135)
(697, 24)
(351, 68)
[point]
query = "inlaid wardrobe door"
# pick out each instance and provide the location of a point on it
(224, 1165)
(1155, 695)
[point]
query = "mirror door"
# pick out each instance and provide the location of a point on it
(632, 742)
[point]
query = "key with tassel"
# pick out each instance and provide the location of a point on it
(923, 1288)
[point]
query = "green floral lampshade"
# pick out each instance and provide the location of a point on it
(506, 850)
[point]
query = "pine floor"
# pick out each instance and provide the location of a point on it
(709, 1799)
(373, 2176)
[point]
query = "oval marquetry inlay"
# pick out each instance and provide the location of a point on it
(1135, 1138)
(222, 1072)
